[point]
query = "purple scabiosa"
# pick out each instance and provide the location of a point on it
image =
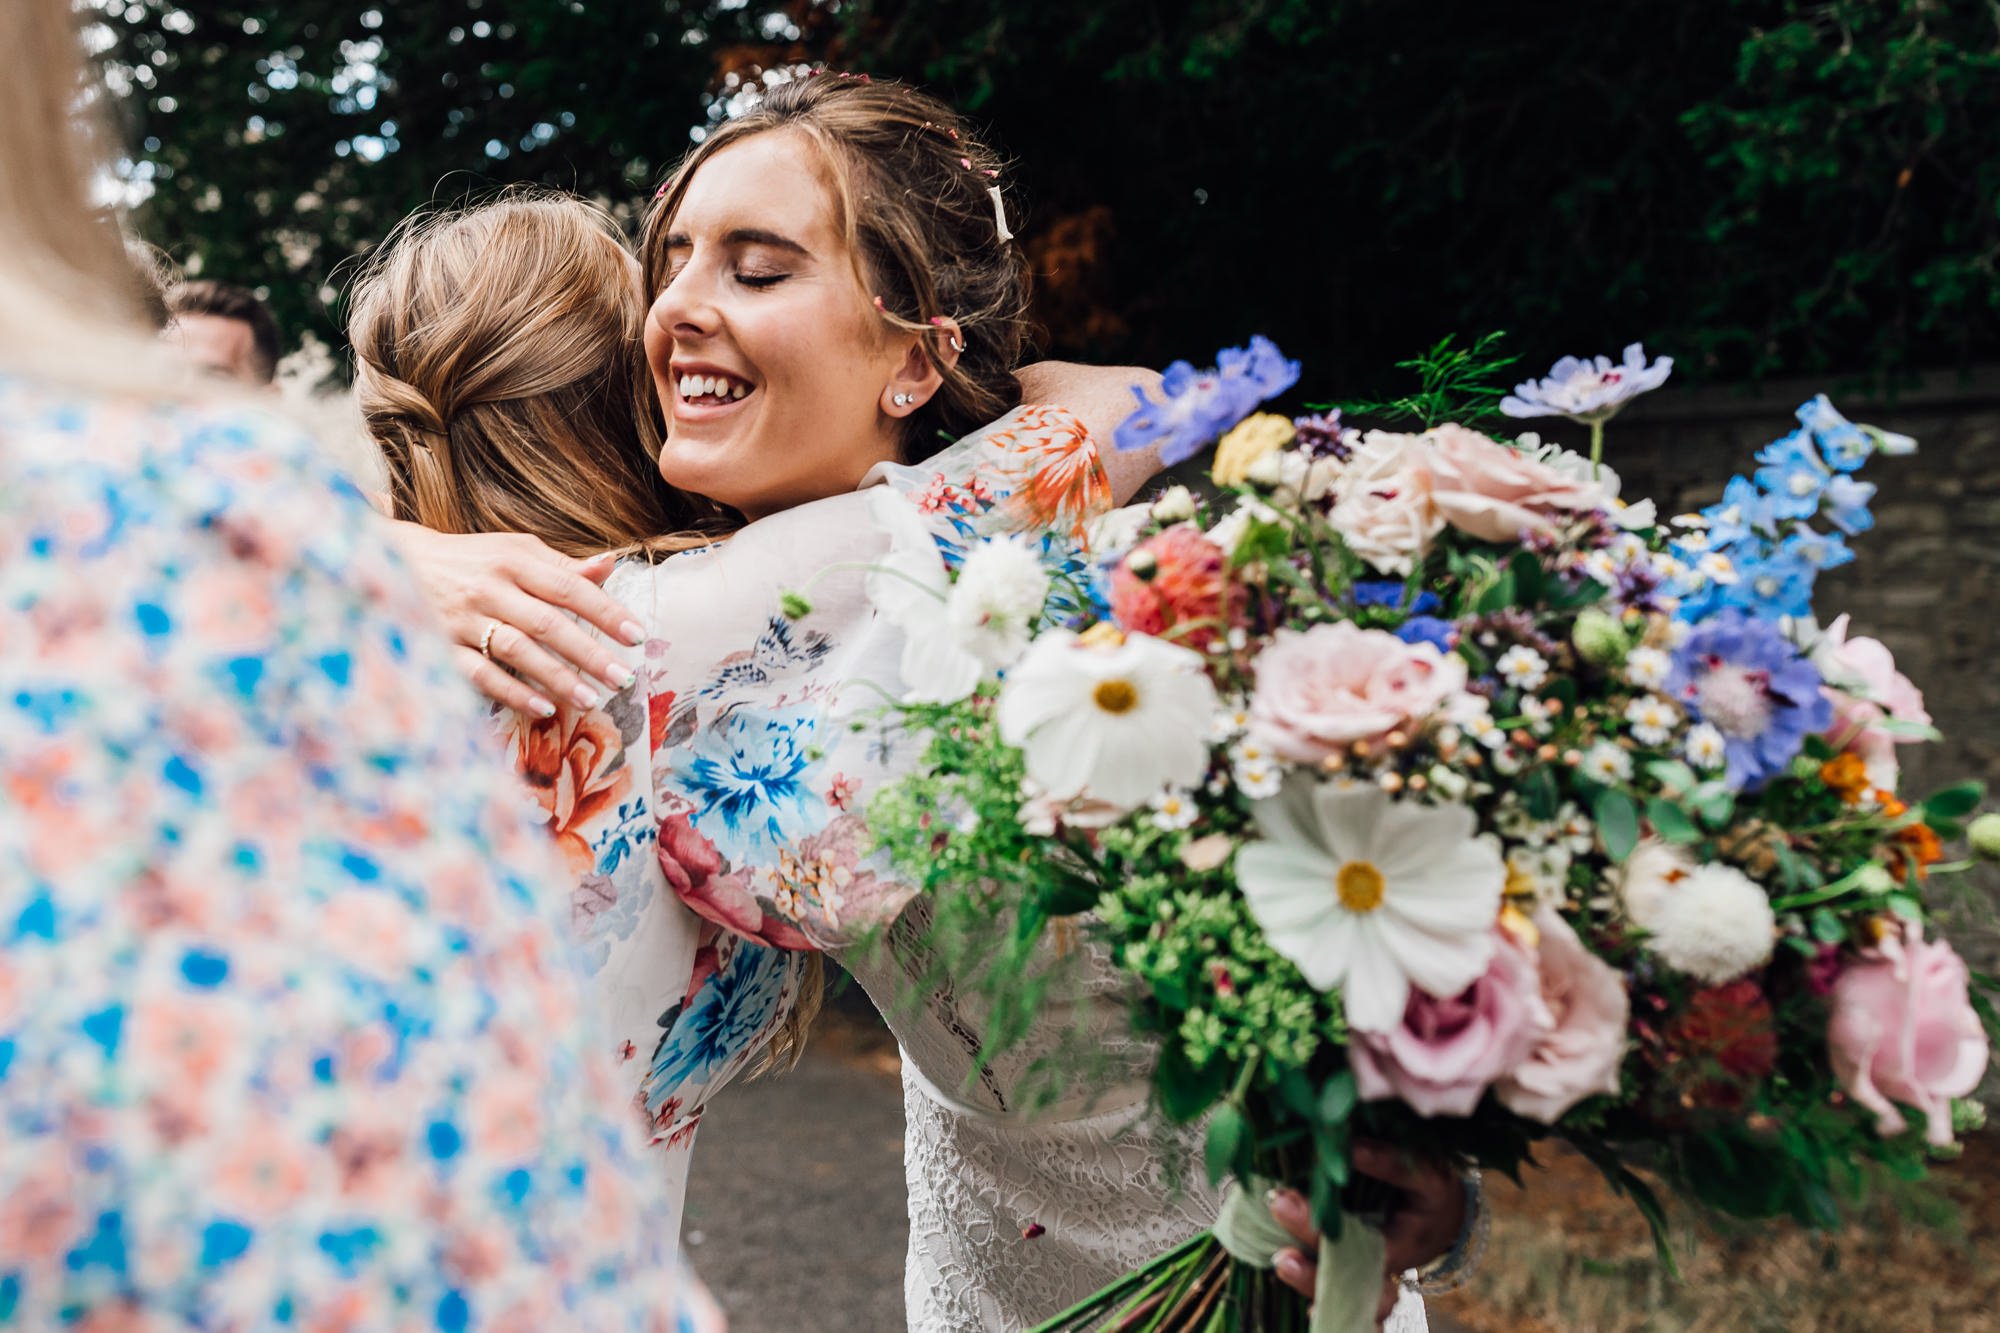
(1588, 392)
(1742, 676)
(1793, 476)
(1197, 406)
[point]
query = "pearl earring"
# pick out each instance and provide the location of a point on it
(904, 399)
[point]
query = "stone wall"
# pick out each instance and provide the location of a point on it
(1926, 580)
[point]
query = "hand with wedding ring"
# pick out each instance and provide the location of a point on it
(507, 601)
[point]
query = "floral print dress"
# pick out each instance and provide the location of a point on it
(711, 813)
(288, 1037)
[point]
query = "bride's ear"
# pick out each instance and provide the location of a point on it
(917, 376)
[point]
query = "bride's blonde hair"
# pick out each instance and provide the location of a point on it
(497, 364)
(70, 302)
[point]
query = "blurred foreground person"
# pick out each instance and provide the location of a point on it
(226, 331)
(286, 1038)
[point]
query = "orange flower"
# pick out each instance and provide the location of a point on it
(1061, 483)
(1185, 591)
(1922, 845)
(574, 763)
(1846, 775)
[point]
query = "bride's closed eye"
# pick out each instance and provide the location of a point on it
(761, 280)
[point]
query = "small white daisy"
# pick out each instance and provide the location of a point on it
(1695, 541)
(1231, 722)
(1523, 667)
(1540, 715)
(1652, 720)
(1648, 668)
(1601, 567)
(1606, 763)
(1258, 779)
(1486, 731)
(1704, 747)
(1174, 810)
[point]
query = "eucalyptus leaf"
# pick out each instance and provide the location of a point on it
(1617, 822)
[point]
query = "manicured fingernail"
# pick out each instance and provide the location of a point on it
(621, 675)
(1290, 1266)
(585, 696)
(632, 632)
(542, 707)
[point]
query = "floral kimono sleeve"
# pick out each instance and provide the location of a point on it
(768, 734)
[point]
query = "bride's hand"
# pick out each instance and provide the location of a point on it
(507, 594)
(1425, 1225)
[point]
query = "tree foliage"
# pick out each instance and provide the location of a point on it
(1750, 184)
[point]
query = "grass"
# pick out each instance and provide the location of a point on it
(1568, 1255)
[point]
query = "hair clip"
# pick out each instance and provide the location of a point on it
(661, 193)
(999, 214)
(965, 162)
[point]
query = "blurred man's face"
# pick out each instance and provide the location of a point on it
(224, 348)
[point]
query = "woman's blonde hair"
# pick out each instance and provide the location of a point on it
(70, 302)
(497, 359)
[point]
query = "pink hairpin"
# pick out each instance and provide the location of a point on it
(965, 162)
(661, 193)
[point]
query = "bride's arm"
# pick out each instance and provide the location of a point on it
(1101, 396)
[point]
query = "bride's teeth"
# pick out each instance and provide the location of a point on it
(687, 386)
(737, 391)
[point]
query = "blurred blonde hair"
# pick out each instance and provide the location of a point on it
(70, 301)
(497, 364)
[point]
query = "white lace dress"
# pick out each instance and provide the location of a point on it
(1015, 1217)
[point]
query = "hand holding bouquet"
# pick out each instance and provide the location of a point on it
(1429, 792)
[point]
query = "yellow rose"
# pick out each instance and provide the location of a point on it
(1252, 438)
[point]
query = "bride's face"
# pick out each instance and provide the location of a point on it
(772, 366)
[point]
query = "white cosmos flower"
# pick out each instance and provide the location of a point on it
(1117, 721)
(1606, 763)
(1372, 894)
(998, 599)
(910, 588)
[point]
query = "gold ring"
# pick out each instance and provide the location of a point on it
(486, 640)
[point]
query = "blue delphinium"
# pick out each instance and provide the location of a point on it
(1441, 634)
(1389, 593)
(1848, 445)
(1743, 677)
(1847, 504)
(1821, 550)
(1777, 585)
(1793, 477)
(1743, 514)
(1197, 406)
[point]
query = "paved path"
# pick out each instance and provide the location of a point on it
(795, 1205)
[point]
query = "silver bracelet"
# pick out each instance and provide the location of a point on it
(1456, 1267)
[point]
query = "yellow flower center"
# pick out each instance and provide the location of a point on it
(1115, 696)
(1359, 885)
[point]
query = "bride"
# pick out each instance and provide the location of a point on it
(833, 289)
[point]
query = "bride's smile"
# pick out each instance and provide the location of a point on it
(779, 380)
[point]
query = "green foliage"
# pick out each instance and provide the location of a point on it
(281, 140)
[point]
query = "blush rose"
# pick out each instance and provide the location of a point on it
(1584, 1046)
(1322, 689)
(1903, 1030)
(1446, 1053)
(1488, 491)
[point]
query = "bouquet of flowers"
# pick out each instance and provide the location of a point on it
(1429, 791)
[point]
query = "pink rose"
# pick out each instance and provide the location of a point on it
(1447, 1053)
(1903, 1030)
(692, 865)
(1323, 689)
(1583, 1049)
(1865, 689)
(1384, 512)
(1494, 493)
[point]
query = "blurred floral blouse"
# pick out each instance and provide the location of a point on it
(288, 1037)
(712, 813)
